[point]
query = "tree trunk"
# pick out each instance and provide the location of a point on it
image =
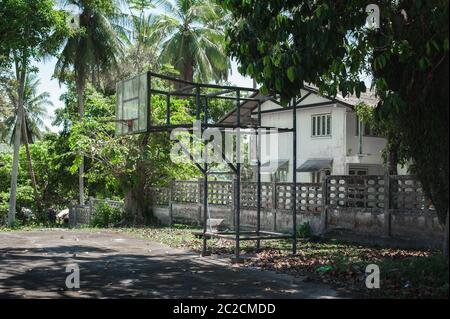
(15, 170)
(188, 72)
(20, 75)
(135, 199)
(134, 205)
(393, 160)
(37, 197)
(80, 89)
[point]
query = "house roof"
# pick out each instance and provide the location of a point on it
(273, 165)
(248, 107)
(368, 98)
(315, 164)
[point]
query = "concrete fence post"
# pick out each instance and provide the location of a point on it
(91, 209)
(170, 200)
(199, 201)
(274, 204)
(233, 200)
(324, 205)
(387, 205)
(75, 217)
(70, 214)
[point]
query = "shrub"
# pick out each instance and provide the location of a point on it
(3, 213)
(105, 216)
(304, 231)
(24, 200)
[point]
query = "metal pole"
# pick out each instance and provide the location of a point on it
(205, 182)
(197, 101)
(238, 177)
(168, 109)
(258, 154)
(205, 208)
(171, 187)
(294, 181)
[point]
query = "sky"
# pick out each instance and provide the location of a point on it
(47, 83)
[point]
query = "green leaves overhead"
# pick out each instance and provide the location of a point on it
(284, 44)
(29, 29)
(95, 47)
(192, 39)
(295, 40)
(291, 73)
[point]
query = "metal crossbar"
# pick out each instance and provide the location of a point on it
(194, 90)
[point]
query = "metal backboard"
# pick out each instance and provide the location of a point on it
(132, 107)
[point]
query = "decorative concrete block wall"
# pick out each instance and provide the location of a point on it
(384, 208)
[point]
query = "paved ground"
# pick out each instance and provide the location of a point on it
(114, 265)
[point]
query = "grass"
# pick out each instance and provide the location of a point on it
(404, 273)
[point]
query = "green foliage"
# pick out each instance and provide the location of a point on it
(304, 231)
(284, 44)
(95, 47)
(25, 199)
(192, 39)
(105, 216)
(50, 156)
(113, 160)
(4, 207)
(299, 42)
(34, 106)
(29, 29)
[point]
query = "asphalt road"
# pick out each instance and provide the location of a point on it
(115, 265)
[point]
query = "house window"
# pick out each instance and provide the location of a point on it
(321, 125)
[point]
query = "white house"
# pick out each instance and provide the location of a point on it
(328, 139)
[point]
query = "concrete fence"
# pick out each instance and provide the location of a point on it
(389, 210)
(82, 214)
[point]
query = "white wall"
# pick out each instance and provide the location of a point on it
(372, 148)
(307, 146)
(342, 146)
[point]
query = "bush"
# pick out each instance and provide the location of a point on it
(24, 200)
(105, 216)
(304, 231)
(3, 213)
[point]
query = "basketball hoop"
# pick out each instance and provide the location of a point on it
(130, 125)
(132, 108)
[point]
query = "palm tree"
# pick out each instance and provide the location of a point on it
(140, 37)
(91, 51)
(193, 39)
(34, 112)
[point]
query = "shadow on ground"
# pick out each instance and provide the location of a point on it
(130, 268)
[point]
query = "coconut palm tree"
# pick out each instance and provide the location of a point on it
(34, 113)
(141, 42)
(193, 39)
(94, 49)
